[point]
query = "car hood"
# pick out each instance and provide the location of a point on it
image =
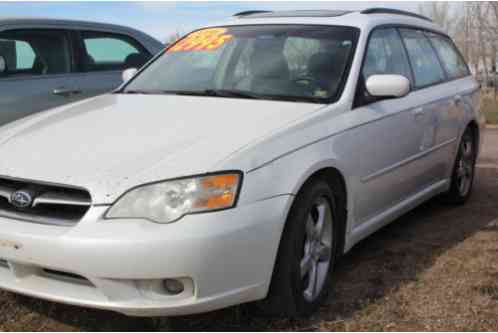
(115, 142)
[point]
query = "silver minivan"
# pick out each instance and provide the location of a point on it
(46, 63)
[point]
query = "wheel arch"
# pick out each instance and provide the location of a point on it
(338, 182)
(335, 179)
(474, 127)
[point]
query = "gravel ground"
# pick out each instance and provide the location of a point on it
(433, 269)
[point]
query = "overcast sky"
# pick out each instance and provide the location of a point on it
(162, 19)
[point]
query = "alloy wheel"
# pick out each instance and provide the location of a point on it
(315, 262)
(465, 169)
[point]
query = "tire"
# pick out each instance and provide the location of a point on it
(305, 254)
(462, 178)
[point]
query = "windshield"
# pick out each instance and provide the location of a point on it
(283, 62)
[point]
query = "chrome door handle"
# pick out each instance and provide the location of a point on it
(65, 92)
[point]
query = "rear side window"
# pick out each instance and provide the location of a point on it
(35, 52)
(452, 60)
(108, 52)
(425, 63)
(385, 55)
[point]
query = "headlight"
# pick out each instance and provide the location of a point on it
(168, 201)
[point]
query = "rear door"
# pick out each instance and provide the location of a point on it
(436, 101)
(451, 119)
(102, 58)
(39, 68)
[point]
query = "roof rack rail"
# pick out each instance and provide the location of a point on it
(379, 10)
(250, 12)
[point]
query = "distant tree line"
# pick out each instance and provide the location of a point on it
(474, 27)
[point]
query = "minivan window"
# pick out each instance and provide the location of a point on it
(284, 62)
(106, 51)
(425, 63)
(35, 52)
(386, 55)
(452, 60)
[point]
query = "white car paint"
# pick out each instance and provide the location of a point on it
(126, 148)
(382, 85)
(392, 155)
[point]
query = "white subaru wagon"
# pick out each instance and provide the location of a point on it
(238, 165)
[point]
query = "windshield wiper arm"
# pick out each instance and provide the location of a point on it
(224, 93)
(233, 93)
(137, 92)
(213, 93)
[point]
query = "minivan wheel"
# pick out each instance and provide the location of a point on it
(306, 254)
(463, 171)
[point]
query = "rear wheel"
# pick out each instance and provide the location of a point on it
(306, 254)
(463, 171)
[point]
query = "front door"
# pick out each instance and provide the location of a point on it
(38, 76)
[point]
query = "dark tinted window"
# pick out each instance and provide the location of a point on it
(423, 58)
(385, 55)
(35, 52)
(452, 60)
(105, 51)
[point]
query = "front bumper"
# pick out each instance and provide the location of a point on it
(223, 258)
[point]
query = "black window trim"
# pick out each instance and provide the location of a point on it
(398, 27)
(72, 54)
(81, 49)
(326, 101)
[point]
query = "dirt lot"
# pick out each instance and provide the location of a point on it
(433, 269)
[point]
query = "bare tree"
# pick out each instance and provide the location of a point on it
(473, 26)
(173, 37)
(441, 13)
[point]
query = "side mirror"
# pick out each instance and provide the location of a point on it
(3, 66)
(128, 74)
(387, 85)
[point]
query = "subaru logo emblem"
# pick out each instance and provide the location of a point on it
(21, 199)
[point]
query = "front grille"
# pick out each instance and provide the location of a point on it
(47, 204)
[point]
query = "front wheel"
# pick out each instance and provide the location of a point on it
(463, 171)
(306, 254)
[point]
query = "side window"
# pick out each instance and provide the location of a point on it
(109, 52)
(385, 55)
(452, 60)
(35, 52)
(25, 55)
(425, 63)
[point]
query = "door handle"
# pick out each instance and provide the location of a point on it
(457, 99)
(65, 92)
(418, 113)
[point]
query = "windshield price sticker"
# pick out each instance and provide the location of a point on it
(203, 40)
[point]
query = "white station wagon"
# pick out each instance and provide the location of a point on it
(238, 164)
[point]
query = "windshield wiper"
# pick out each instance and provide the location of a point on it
(137, 92)
(233, 93)
(212, 93)
(226, 94)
